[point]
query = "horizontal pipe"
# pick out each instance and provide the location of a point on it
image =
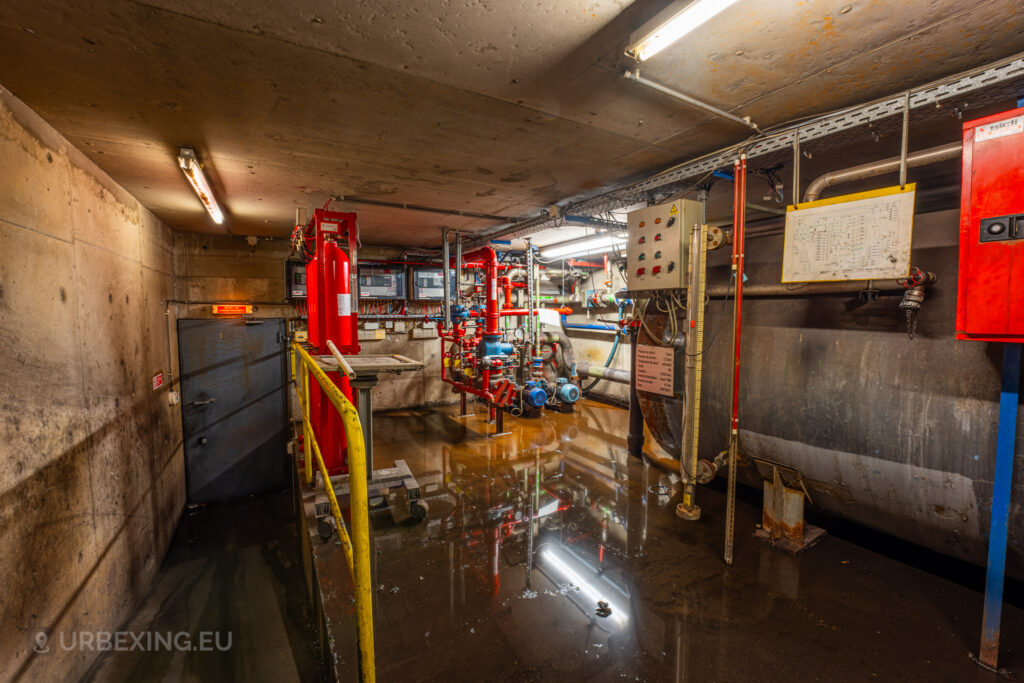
(743, 121)
(876, 168)
(590, 326)
(601, 372)
(426, 209)
(816, 288)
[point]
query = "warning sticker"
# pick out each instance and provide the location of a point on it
(674, 210)
(991, 131)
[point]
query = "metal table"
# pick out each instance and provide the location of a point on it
(363, 372)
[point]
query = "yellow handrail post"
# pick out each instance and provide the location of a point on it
(291, 358)
(306, 426)
(359, 560)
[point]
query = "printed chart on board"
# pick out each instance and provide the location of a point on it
(865, 236)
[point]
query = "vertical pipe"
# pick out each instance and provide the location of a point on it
(796, 166)
(531, 324)
(446, 275)
(689, 376)
(738, 248)
(635, 435)
(458, 266)
(1001, 493)
(905, 140)
(536, 304)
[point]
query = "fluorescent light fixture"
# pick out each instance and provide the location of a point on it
(194, 173)
(671, 25)
(595, 244)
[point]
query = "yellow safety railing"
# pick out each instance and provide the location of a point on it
(357, 554)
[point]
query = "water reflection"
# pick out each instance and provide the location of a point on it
(538, 536)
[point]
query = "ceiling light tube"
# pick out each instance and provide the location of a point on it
(594, 244)
(671, 25)
(194, 173)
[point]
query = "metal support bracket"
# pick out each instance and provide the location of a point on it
(782, 517)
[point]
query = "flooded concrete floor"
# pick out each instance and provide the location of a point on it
(529, 533)
(233, 569)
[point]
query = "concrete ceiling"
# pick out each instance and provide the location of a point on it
(492, 107)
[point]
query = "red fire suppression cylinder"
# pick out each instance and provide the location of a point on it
(331, 318)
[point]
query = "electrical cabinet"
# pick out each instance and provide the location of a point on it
(659, 245)
(989, 304)
(381, 282)
(427, 284)
(295, 279)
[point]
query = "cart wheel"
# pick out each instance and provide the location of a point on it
(325, 527)
(418, 509)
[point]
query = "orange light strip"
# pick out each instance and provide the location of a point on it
(232, 309)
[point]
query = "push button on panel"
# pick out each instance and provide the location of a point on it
(655, 270)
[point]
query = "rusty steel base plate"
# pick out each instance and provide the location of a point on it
(812, 534)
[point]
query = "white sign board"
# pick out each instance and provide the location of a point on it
(864, 238)
(655, 369)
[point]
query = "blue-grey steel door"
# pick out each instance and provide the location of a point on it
(233, 375)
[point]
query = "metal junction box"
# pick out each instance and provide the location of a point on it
(427, 284)
(990, 303)
(659, 245)
(295, 279)
(381, 282)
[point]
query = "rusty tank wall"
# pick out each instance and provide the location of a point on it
(893, 433)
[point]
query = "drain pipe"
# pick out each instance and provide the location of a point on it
(891, 165)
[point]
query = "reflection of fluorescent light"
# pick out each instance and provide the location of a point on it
(596, 244)
(194, 173)
(676, 24)
(619, 613)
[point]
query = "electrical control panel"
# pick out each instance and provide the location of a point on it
(381, 282)
(989, 304)
(659, 245)
(427, 284)
(295, 279)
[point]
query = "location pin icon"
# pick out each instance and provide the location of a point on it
(41, 642)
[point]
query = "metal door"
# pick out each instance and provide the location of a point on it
(233, 407)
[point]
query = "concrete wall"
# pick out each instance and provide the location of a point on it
(219, 268)
(92, 481)
(594, 346)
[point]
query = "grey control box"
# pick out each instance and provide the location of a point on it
(659, 245)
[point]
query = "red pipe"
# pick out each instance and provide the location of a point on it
(738, 248)
(490, 261)
(565, 310)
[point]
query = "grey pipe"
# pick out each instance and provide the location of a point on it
(565, 344)
(876, 168)
(816, 288)
(601, 372)
(743, 121)
(446, 273)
